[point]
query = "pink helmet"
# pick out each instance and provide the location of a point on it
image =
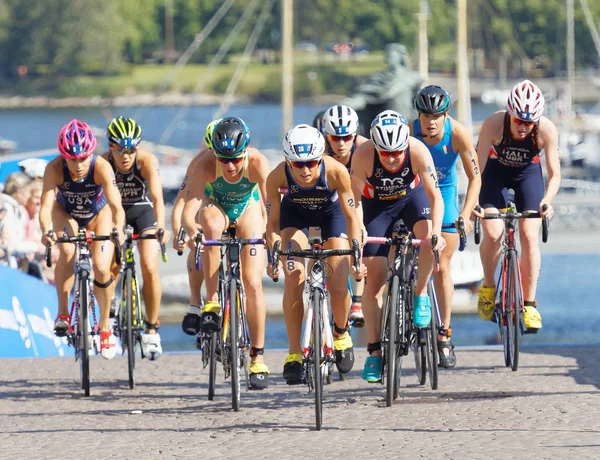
(76, 140)
(526, 101)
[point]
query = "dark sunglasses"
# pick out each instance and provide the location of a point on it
(522, 122)
(123, 150)
(394, 154)
(305, 164)
(234, 160)
(346, 138)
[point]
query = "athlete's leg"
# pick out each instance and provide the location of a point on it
(442, 279)
(378, 270)
(63, 270)
(213, 221)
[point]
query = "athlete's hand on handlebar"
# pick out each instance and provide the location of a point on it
(49, 238)
(546, 209)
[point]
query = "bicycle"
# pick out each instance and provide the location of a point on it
(508, 310)
(84, 330)
(398, 332)
(232, 345)
(317, 359)
(129, 319)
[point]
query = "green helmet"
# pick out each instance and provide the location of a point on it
(209, 132)
(124, 132)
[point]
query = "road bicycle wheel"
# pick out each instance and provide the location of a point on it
(129, 331)
(516, 310)
(431, 339)
(84, 333)
(234, 341)
(420, 352)
(504, 323)
(210, 347)
(317, 352)
(391, 344)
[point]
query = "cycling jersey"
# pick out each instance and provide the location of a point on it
(388, 197)
(82, 199)
(444, 159)
(513, 164)
(315, 206)
(232, 197)
(385, 186)
(132, 185)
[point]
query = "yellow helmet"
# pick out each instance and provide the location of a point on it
(209, 131)
(124, 132)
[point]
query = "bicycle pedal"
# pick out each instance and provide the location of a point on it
(530, 331)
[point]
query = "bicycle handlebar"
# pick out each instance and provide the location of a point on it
(513, 215)
(84, 237)
(221, 242)
(316, 252)
(149, 236)
(397, 240)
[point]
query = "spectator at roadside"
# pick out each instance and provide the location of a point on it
(34, 168)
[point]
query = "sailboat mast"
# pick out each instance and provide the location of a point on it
(287, 65)
(570, 62)
(462, 66)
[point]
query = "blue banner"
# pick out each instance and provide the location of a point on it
(27, 311)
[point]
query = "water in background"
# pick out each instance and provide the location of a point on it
(36, 129)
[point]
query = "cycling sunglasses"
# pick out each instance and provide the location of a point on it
(395, 153)
(305, 164)
(234, 160)
(522, 122)
(123, 150)
(346, 138)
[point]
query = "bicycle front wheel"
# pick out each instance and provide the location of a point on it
(129, 332)
(211, 344)
(84, 333)
(391, 343)
(516, 309)
(234, 341)
(431, 339)
(317, 357)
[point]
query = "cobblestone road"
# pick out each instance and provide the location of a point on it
(548, 409)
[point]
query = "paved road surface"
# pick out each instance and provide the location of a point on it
(548, 409)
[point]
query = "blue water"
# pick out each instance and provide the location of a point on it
(567, 299)
(36, 129)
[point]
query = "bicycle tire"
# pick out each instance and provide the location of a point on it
(505, 324)
(431, 339)
(234, 318)
(129, 327)
(212, 369)
(317, 352)
(391, 352)
(420, 351)
(84, 330)
(516, 310)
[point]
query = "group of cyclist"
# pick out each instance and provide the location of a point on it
(332, 182)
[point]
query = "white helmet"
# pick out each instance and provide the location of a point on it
(390, 132)
(303, 143)
(526, 101)
(340, 120)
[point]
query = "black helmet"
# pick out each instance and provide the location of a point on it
(230, 137)
(432, 99)
(318, 121)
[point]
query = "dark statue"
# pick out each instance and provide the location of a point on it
(392, 89)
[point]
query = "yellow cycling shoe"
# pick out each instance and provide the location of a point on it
(209, 320)
(344, 352)
(485, 303)
(259, 375)
(292, 369)
(532, 319)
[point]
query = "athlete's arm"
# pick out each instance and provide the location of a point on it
(549, 136)
(150, 170)
(275, 180)
(258, 173)
(182, 193)
(422, 164)
(193, 200)
(358, 176)
(339, 179)
(48, 196)
(105, 176)
(462, 140)
(487, 134)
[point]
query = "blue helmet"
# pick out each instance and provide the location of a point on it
(230, 137)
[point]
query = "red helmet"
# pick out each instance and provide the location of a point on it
(526, 101)
(76, 140)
